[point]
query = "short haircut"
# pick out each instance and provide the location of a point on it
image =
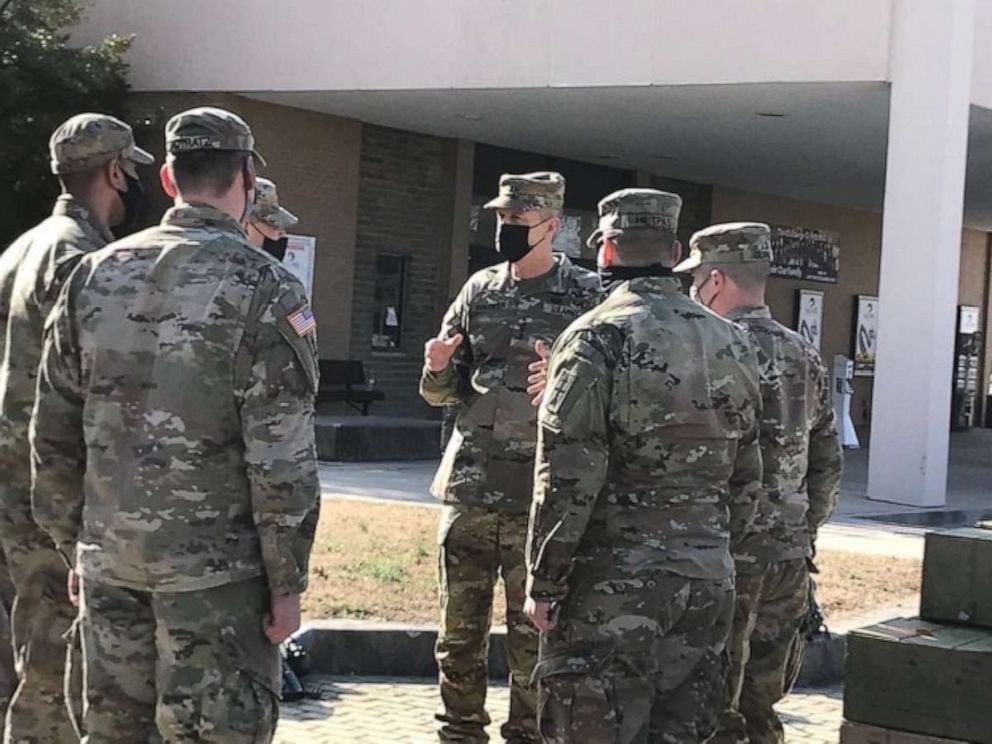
(207, 171)
(79, 182)
(749, 276)
(645, 247)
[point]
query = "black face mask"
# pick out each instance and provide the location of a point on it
(612, 274)
(135, 201)
(513, 241)
(275, 248)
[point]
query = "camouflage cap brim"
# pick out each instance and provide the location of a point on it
(595, 238)
(600, 234)
(281, 219)
(130, 157)
(141, 157)
(507, 202)
(690, 264)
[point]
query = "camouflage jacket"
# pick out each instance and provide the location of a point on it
(489, 460)
(37, 264)
(800, 451)
(173, 434)
(648, 454)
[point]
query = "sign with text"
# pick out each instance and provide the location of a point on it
(866, 336)
(805, 253)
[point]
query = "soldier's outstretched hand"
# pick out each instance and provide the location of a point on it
(538, 379)
(438, 352)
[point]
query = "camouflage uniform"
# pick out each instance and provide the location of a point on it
(44, 258)
(802, 468)
(180, 367)
(9, 261)
(8, 673)
(486, 476)
(647, 466)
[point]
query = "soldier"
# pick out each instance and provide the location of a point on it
(802, 470)
(647, 466)
(187, 494)
(269, 221)
(479, 362)
(95, 159)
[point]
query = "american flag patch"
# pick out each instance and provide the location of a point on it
(302, 321)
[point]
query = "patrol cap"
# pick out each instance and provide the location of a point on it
(629, 209)
(208, 128)
(88, 140)
(267, 208)
(525, 191)
(730, 242)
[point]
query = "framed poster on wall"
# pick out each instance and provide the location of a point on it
(865, 336)
(809, 318)
(299, 259)
(806, 254)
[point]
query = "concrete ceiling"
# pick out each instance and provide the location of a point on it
(823, 142)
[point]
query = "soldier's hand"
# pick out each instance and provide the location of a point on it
(438, 352)
(538, 379)
(72, 587)
(542, 615)
(284, 618)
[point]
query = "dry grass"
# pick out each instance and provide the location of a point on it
(852, 583)
(379, 562)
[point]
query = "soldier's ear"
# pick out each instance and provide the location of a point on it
(676, 253)
(115, 175)
(168, 181)
(248, 174)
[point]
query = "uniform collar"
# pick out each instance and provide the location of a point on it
(753, 312)
(69, 206)
(202, 215)
(555, 280)
(662, 284)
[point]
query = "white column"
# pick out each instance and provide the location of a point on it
(930, 64)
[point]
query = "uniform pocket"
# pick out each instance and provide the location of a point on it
(449, 515)
(248, 701)
(305, 349)
(576, 698)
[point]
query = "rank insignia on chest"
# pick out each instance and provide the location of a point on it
(302, 321)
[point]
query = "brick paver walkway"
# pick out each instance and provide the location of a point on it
(369, 710)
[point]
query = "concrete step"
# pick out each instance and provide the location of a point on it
(401, 650)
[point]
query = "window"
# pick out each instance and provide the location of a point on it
(387, 318)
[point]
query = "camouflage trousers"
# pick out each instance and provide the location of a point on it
(40, 620)
(178, 667)
(8, 674)
(770, 607)
(477, 546)
(635, 660)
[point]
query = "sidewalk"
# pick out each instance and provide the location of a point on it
(377, 710)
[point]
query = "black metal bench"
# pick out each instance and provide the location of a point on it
(344, 380)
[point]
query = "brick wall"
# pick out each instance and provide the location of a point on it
(405, 203)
